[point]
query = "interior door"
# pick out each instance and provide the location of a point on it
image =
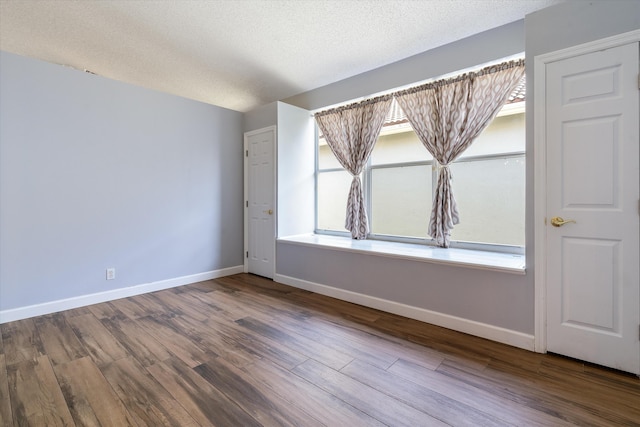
(592, 221)
(260, 152)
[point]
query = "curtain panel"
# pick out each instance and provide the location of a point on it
(447, 116)
(351, 132)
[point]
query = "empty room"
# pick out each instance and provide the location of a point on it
(320, 213)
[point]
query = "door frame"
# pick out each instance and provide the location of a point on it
(540, 170)
(245, 151)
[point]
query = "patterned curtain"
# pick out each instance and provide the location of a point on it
(351, 133)
(447, 116)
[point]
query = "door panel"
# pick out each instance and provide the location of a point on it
(590, 163)
(593, 278)
(594, 281)
(261, 201)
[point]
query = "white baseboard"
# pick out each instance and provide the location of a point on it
(471, 327)
(84, 300)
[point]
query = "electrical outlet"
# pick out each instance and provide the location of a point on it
(111, 273)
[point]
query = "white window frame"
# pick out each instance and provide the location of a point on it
(515, 108)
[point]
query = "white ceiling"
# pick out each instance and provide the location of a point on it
(240, 54)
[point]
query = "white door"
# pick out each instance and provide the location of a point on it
(260, 177)
(592, 181)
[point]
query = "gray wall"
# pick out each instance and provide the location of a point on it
(501, 299)
(577, 22)
(484, 296)
(262, 117)
(95, 173)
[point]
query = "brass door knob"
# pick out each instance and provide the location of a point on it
(270, 212)
(557, 221)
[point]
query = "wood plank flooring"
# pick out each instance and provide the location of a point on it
(245, 351)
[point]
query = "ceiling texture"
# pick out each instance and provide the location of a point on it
(240, 54)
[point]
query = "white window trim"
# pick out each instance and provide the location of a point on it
(478, 259)
(497, 257)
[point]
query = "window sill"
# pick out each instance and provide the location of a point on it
(484, 260)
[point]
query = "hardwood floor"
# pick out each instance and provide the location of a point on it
(245, 351)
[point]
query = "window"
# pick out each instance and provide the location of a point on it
(399, 180)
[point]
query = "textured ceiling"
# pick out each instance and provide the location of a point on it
(240, 54)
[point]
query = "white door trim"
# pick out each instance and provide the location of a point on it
(246, 191)
(540, 169)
